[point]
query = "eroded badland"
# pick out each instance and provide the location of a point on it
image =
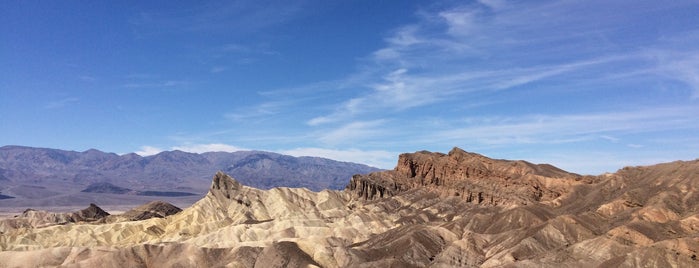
(433, 210)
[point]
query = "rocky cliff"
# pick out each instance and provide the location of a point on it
(472, 177)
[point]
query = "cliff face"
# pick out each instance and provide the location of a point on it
(473, 177)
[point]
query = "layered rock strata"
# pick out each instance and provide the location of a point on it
(473, 177)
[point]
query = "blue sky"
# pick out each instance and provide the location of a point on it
(589, 86)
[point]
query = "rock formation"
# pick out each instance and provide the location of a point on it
(433, 210)
(31, 218)
(473, 177)
(154, 209)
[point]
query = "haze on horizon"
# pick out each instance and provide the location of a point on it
(588, 86)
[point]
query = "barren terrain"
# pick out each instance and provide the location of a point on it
(433, 210)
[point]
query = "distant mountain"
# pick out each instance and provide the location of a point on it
(38, 176)
(106, 188)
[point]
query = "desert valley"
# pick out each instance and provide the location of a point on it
(458, 209)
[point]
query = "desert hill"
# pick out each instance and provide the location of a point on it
(433, 210)
(41, 177)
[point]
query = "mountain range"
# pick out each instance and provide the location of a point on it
(458, 209)
(41, 177)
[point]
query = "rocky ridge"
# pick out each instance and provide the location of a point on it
(425, 213)
(473, 177)
(31, 218)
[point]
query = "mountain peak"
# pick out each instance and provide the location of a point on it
(223, 186)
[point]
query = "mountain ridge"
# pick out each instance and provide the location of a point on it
(634, 217)
(44, 176)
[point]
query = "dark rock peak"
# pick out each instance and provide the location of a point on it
(131, 156)
(154, 209)
(224, 187)
(93, 151)
(223, 181)
(91, 213)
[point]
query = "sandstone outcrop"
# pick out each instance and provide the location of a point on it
(473, 177)
(433, 210)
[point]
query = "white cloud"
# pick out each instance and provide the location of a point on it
(376, 158)
(148, 150)
(460, 22)
(319, 120)
(211, 147)
(191, 148)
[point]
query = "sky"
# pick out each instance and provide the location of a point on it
(589, 86)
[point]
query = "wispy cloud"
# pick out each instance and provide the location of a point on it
(480, 52)
(469, 49)
(487, 72)
(257, 49)
(547, 129)
(353, 132)
(61, 103)
(678, 66)
(157, 84)
(260, 111)
(218, 69)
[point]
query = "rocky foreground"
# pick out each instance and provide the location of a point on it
(439, 210)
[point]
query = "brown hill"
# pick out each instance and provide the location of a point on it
(433, 210)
